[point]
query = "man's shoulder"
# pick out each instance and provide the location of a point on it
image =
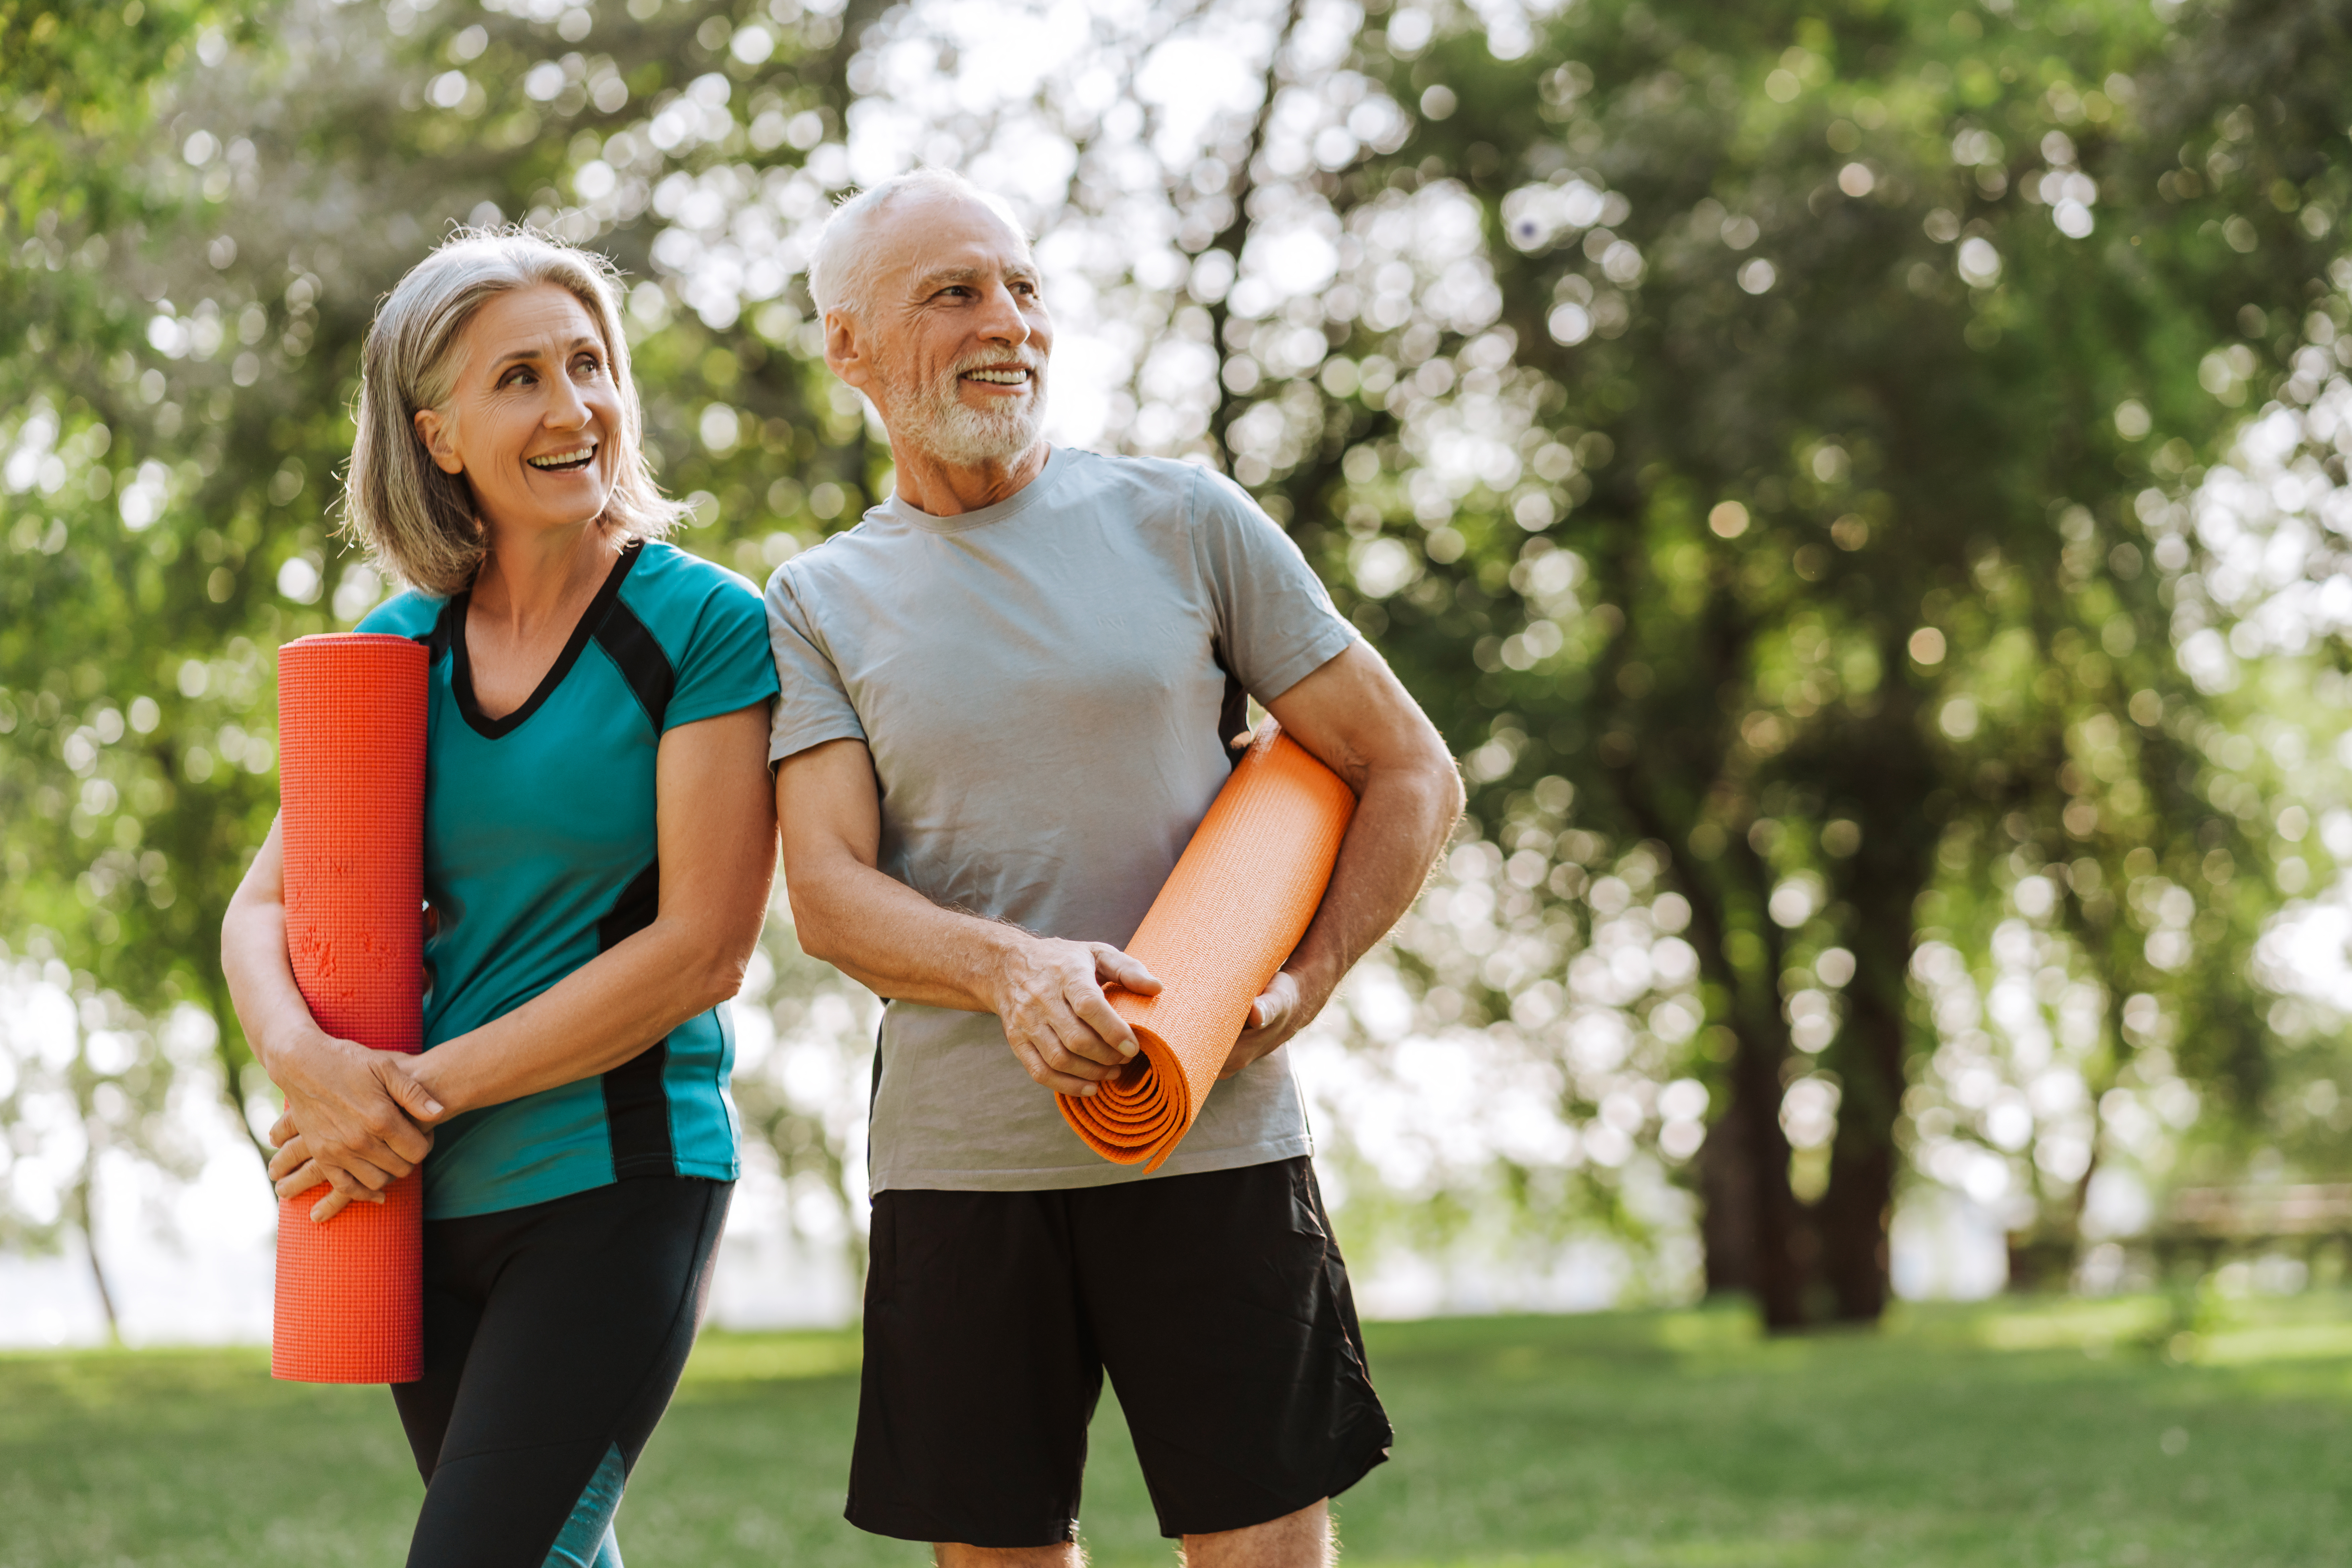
(1173, 481)
(830, 557)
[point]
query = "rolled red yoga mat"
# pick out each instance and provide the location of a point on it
(351, 773)
(1229, 916)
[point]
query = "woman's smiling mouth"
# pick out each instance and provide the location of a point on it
(569, 462)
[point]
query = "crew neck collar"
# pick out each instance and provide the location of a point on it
(1057, 463)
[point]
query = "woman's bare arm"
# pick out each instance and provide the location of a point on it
(363, 1117)
(717, 840)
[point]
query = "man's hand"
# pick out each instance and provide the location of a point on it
(355, 1119)
(1283, 1009)
(1063, 1029)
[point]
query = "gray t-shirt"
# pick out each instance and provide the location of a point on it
(1041, 683)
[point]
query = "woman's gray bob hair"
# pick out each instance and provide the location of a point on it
(417, 522)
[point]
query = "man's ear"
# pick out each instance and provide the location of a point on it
(436, 433)
(845, 350)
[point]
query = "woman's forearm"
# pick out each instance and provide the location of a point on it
(599, 1017)
(716, 839)
(261, 988)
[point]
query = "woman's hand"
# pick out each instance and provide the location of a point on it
(355, 1120)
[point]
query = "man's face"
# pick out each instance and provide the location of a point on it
(953, 342)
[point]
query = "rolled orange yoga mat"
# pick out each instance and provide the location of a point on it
(351, 773)
(1229, 917)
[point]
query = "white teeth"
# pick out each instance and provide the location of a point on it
(1000, 378)
(560, 459)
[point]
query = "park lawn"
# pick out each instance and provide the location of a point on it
(2018, 1434)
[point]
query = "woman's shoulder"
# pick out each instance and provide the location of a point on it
(405, 615)
(674, 591)
(670, 570)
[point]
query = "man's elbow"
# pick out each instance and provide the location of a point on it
(814, 925)
(1440, 777)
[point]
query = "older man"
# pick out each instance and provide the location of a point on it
(1008, 697)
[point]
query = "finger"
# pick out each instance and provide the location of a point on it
(1094, 1012)
(1059, 1082)
(352, 1177)
(328, 1207)
(414, 1097)
(291, 1155)
(1121, 969)
(301, 1180)
(282, 1129)
(1070, 1045)
(395, 1142)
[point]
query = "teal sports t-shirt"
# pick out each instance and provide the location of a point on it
(541, 853)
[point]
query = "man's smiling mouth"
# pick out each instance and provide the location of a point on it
(565, 462)
(1018, 376)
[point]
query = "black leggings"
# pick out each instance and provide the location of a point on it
(553, 1337)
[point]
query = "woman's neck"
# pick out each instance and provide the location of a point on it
(530, 578)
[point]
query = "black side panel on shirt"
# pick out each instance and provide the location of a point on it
(437, 641)
(1232, 713)
(639, 658)
(636, 1102)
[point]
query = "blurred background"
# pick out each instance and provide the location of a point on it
(1860, 486)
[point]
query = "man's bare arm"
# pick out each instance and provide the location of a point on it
(1356, 717)
(882, 933)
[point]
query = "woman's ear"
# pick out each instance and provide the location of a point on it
(438, 435)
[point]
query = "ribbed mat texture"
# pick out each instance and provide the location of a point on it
(350, 772)
(1231, 914)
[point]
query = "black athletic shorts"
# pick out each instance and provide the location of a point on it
(554, 1336)
(1217, 1302)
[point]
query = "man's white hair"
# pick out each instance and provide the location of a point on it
(841, 274)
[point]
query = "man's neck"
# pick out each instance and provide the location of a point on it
(939, 489)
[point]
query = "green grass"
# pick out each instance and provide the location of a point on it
(2018, 1435)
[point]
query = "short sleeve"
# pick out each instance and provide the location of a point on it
(813, 706)
(725, 664)
(1276, 623)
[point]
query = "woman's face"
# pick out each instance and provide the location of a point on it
(533, 415)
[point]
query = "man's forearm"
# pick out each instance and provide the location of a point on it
(898, 943)
(1400, 825)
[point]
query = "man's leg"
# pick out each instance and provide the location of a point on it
(954, 1554)
(978, 1380)
(1222, 1310)
(1301, 1539)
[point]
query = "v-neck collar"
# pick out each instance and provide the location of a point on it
(461, 663)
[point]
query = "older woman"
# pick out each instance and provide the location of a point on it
(599, 842)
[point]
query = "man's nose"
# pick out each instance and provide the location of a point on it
(1000, 320)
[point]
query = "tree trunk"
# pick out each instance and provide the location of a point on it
(1854, 1211)
(86, 1213)
(1728, 1209)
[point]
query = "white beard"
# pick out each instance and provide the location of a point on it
(934, 419)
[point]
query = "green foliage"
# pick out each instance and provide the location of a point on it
(1766, 440)
(1809, 449)
(195, 250)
